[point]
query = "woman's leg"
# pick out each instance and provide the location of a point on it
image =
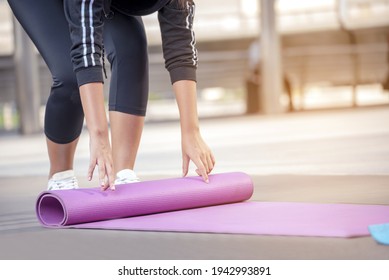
(126, 131)
(125, 42)
(61, 156)
(45, 23)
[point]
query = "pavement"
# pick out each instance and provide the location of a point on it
(329, 156)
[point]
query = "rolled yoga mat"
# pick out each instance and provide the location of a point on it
(190, 205)
(70, 207)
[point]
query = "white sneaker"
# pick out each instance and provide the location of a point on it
(65, 180)
(126, 176)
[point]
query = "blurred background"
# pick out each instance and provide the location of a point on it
(299, 55)
(293, 92)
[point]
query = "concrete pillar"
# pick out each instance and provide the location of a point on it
(271, 68)
(27, 81)
(342, 8)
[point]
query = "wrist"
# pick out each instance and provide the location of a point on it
(98, 132)
(190, 129)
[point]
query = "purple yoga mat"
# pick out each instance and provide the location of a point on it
(179, 205)
(70, 207)
(262, 218)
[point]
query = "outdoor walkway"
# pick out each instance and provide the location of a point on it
(335, 156)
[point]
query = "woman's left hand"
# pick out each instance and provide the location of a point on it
(196, 150)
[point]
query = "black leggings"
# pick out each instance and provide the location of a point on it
(126, 50)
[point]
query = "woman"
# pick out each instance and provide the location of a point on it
(89, 29)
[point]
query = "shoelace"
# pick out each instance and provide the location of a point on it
(68, 183)
(125, 180)
(119, 181)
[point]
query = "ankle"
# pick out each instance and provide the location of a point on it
(54, 171)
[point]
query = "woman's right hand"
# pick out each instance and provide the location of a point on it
(92, 99)
(101, 156)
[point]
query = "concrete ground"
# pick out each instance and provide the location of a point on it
(337, 156)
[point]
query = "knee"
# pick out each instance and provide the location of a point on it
(65, 88)
(64, 78)
(64, 113)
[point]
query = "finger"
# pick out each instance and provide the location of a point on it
(105, 184)
(210, 160)
(91, 169)
(201, 169)
(111, 178)
(213, 159)
(185, 165)
(102, 175)
(203, 158)
(210, 164)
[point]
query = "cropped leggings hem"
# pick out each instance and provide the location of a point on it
(62, 141)
(126, 110)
